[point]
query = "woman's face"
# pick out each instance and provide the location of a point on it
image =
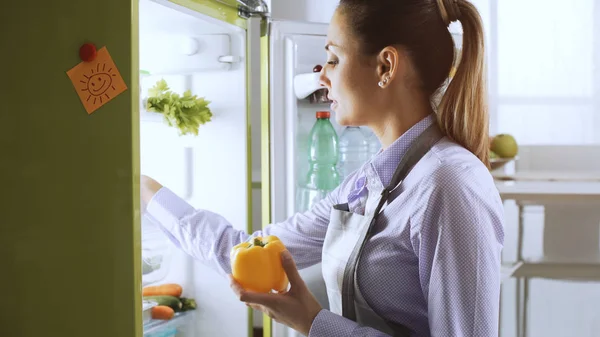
(350, 77)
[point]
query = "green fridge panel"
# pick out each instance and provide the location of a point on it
(69, 233)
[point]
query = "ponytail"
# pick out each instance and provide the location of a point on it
(462, 112)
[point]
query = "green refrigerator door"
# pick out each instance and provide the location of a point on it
(69, 236)
(213, 8)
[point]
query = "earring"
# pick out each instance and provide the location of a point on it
(381, 83)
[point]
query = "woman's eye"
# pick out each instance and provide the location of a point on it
(332, 62)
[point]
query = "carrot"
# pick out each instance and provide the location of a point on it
(162, 312)
(169, 289)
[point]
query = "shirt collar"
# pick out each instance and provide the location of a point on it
(386, 161)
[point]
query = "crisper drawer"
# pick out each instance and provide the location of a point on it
(157, 252)
(178, 326)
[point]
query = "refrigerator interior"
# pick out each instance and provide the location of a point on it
(210, 171)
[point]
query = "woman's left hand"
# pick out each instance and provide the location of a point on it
(296, 308)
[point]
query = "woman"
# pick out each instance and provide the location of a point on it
(424, 215)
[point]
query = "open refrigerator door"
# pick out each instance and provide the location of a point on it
(287, 134)
(205, 159)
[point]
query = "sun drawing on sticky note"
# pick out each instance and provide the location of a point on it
(98, 83)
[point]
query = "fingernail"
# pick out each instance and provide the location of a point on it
(286, 256)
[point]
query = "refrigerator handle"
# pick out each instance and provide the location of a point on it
(188, 172)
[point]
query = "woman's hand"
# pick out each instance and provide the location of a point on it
(148, 188)
(296, 308)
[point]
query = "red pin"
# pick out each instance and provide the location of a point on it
(87, 52)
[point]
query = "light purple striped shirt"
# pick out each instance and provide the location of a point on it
(432, 264)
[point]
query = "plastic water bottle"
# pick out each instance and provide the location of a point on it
(374, 144)
(354, 150)
(322, 176)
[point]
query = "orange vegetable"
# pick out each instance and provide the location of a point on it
(256, 265)
(162, 312)
(170, 289)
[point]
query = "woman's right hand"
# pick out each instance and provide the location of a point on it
(148, 188)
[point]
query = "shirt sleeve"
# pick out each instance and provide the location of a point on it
(328, 324)
(458, 241)
(209, 237)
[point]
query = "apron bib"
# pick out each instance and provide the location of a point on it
(347, 234)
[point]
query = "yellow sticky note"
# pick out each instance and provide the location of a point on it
(97, 82)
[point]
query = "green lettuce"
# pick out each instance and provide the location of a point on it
(185, 112)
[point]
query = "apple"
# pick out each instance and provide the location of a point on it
(504, 145)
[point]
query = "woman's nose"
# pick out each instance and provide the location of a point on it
(323, 80)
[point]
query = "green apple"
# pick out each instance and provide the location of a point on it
(505, 146)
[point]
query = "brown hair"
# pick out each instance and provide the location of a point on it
(421, 27)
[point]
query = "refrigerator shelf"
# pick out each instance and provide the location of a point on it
(163, 328)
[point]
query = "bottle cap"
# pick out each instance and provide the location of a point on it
(323, 114)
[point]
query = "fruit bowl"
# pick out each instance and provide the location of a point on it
(496, 163)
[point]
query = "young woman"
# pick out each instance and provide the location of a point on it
(410, 243)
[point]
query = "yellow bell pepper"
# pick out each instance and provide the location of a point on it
(256, 265)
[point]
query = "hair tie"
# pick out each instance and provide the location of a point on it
(449, 10)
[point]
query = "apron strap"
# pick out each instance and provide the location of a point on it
(418, 149)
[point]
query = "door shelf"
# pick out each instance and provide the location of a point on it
(164, 328)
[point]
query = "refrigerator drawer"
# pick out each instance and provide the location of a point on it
(170, 328)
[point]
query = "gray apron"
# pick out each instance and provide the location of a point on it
(347, 235)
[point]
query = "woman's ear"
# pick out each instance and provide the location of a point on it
(388, 63)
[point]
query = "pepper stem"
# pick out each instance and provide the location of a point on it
(258, 242)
